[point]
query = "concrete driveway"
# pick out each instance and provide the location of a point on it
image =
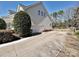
(47, 44)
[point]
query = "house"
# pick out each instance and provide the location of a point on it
(39, 16)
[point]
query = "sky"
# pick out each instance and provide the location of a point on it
(51, 6)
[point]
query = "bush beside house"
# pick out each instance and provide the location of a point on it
(2, 24)
(22, 24)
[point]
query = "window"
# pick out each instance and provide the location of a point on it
(41, 13)
(38, 12)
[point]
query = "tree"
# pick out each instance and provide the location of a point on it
(54, 18)
(76, 17)
(22, 24)
(60, 12)
(55, 15)
(2, 24)
(69, 17)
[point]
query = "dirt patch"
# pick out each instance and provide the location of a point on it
(71, 47)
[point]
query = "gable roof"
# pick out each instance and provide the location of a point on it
(10, 12)
(23, 6)
(29, 6)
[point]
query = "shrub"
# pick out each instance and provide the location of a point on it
(2, 24)
(77, 34)
(22, 24)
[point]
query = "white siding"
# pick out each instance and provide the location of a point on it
(9, 21)
(45, 24)
(33, 12)
(41, 22)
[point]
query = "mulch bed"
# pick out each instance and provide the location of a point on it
(7, 36)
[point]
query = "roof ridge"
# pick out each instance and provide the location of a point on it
(22, 5)
(28, 6)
